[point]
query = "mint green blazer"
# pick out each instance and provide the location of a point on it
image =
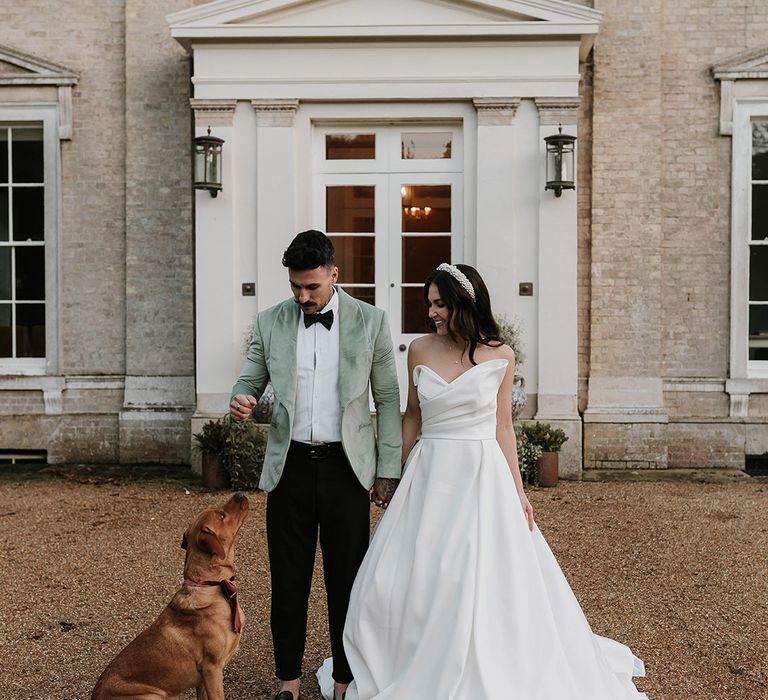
(366, 358)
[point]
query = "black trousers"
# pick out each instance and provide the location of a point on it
(317, 490)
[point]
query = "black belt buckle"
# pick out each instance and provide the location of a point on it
(321, 450)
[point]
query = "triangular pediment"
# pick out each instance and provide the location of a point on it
(18, 68)
(379, 19)
(752, 64)
(378, 13)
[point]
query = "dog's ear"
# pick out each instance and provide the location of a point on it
(208, 541)
(184, 541)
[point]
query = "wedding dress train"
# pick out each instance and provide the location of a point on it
(456, 598)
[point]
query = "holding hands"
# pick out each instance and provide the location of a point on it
(241, 406)
(382, 491)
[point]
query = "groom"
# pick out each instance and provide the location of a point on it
(321, 350)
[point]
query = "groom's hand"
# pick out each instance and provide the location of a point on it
(383, 490)
(241, 406)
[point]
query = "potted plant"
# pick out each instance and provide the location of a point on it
(210, 442)
(510, 332)
(245, 446)
(528, 454)
(233, 453)
(550, 440)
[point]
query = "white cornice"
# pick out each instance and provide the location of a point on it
(38, 71)
(243, 20)
(747, 65)
(34, 71)
(227, 11)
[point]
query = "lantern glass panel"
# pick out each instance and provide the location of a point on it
(560, 163)
(199, 163)
(212, 161)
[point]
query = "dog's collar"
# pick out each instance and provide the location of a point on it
(229, 589)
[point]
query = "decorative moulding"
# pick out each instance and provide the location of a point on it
(213, 112)
(18, 69)
(278, 112)
(495, 111)
(747, 65)
(557, 110)
(269, 19)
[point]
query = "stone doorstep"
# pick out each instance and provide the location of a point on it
(708, 476)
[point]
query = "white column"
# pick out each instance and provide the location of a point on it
(558, 313)
(494, 233)
(216, 283)
(275, 195)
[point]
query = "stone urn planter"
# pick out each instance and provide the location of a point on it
(547, 468)
(215, 474)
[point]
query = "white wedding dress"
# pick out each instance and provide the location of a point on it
(456, 598)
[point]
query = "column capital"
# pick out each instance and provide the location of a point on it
(213, 112)
(495, 111)
(557, 110)
(278, 112)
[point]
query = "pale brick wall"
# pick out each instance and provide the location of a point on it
(626, 191)
(159, 267)
(87, 37)
(660, 274)
(125, 237)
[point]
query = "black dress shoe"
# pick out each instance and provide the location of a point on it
(285, 695)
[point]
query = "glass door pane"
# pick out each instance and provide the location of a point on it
(352, 218)
(427, 222)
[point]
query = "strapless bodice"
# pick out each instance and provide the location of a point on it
(464, 409)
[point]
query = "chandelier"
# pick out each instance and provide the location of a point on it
(408, 207)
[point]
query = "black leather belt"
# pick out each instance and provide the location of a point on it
(317, 450)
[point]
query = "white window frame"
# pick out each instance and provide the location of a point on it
(47, 116)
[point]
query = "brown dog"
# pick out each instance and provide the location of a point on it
(198, 632)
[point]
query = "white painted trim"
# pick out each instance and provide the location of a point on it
(744, 110)
(225, 11)
(235, 81)
(48, 115)
(42, 72)
(187, 35)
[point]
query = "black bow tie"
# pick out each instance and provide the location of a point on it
(325, 319)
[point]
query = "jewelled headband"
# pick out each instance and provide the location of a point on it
(459, 276)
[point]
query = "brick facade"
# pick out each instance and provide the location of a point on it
(653, 237)
(125, 236)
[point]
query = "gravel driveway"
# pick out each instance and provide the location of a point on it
(90, 556)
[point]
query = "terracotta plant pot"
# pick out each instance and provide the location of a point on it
(546, 468)
(215, 475)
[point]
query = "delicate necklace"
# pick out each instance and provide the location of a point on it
(453, 346)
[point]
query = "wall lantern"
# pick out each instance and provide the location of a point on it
(208, 163)
(560, 162)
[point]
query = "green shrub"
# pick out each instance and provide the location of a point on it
(510, 332)
(240, 448)
(210, 439)
(528, 454)
(549, 439)
(243, 455)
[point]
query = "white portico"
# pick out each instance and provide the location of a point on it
(411, 131)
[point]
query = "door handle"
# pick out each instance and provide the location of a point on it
(403, 347)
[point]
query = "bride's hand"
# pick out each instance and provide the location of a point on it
(527, 509)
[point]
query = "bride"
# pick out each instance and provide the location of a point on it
(459, 597)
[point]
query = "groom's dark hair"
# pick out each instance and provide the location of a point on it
(310, 249)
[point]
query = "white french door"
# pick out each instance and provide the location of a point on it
(392, 203)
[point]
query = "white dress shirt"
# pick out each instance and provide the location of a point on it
(317, 415)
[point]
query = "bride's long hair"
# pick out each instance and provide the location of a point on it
(471, 321)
